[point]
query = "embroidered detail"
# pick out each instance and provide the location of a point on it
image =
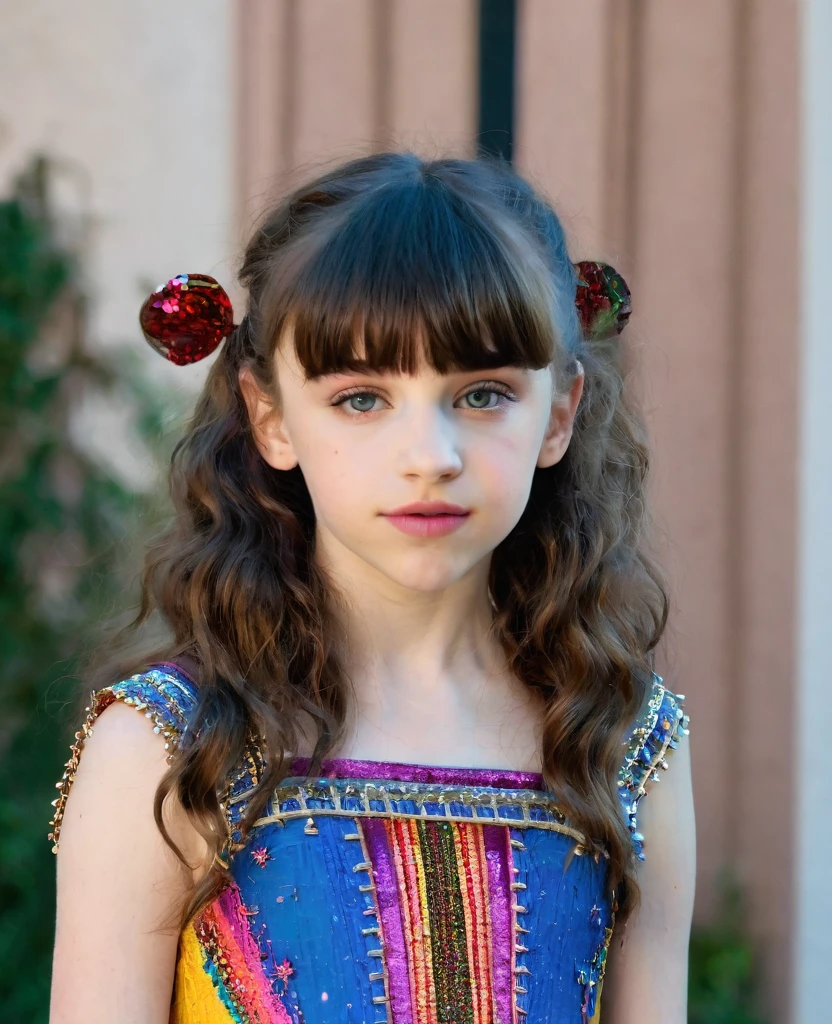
(472, 871)
(234, 961)
(167, 698)
(518, 887)
(284, 971)
(261, 856)
(198, 994)
(446, 918)
(648, 745)
(504, 922)
(434, 882)
(418, 938)
(351, 798)
(591, 976)
(242, 782)
(373, 933)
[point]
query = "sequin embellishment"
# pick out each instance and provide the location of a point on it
(233, 960)
(261, 856)
(648, 747)
(185, 319)
(167, 698)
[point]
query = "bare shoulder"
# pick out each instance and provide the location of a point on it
(667, 820)
(654, 942)
(115, 784)
(666, 817)
(120, 888)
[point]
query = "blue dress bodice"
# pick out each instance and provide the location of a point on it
(407, 894)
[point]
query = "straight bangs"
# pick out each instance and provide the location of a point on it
(413, 270)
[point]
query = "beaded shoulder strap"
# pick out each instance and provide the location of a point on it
(234, 800)
(657, 732)
(165, 694)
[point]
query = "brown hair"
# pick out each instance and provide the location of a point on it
(466, 257)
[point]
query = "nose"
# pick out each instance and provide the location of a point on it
(429, 446)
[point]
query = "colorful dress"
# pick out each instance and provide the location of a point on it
(388, 893)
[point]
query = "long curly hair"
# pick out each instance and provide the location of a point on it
(374, 262)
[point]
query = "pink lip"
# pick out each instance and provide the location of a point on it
(428, 508)
(427, 518)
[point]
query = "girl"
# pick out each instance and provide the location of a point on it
(409, 535)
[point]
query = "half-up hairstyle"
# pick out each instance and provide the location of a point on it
(375, 262)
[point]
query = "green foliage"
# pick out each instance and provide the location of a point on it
(63, 523)
(723, 984)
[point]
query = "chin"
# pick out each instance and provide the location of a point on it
(428, 577)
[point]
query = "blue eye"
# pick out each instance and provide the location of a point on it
(484, 397)
(480, 399)
(357, 401)
(363, 402)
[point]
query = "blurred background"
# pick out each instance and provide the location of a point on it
(688, 144)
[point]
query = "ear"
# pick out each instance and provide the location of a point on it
(267, 426)
(561, 420)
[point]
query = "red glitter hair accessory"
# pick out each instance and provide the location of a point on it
(187, 318)
(602, 299)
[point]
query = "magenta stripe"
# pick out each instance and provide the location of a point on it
(502, 939)
(229, 909)
(387, 896)
(178, 668)
(395, 771)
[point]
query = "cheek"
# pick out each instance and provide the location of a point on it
(504, 469)
(338, 476)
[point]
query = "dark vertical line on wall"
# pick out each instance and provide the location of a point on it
(383, 77)
(497, 47)
(636, 98)
(626, 97)
(289, 86)
(737, 373)
(618, 119)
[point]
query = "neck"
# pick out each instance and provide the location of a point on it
(430, 682)
(397, 635)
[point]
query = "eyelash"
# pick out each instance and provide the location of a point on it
(487, 386)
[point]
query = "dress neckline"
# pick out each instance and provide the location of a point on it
(400, 771)
(394, 771)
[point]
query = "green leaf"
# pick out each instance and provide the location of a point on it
(63, 521)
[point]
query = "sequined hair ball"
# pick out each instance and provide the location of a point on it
(186, 319)
(602, 299)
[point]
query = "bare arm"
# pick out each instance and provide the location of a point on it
(647, 977)
(117, 881)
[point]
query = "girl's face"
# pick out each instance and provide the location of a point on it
(372, 444)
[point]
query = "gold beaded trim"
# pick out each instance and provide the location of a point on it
(168, 722)
(360, 794)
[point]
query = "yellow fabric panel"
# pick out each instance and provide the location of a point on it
(596, 1017)
(196, 1000)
